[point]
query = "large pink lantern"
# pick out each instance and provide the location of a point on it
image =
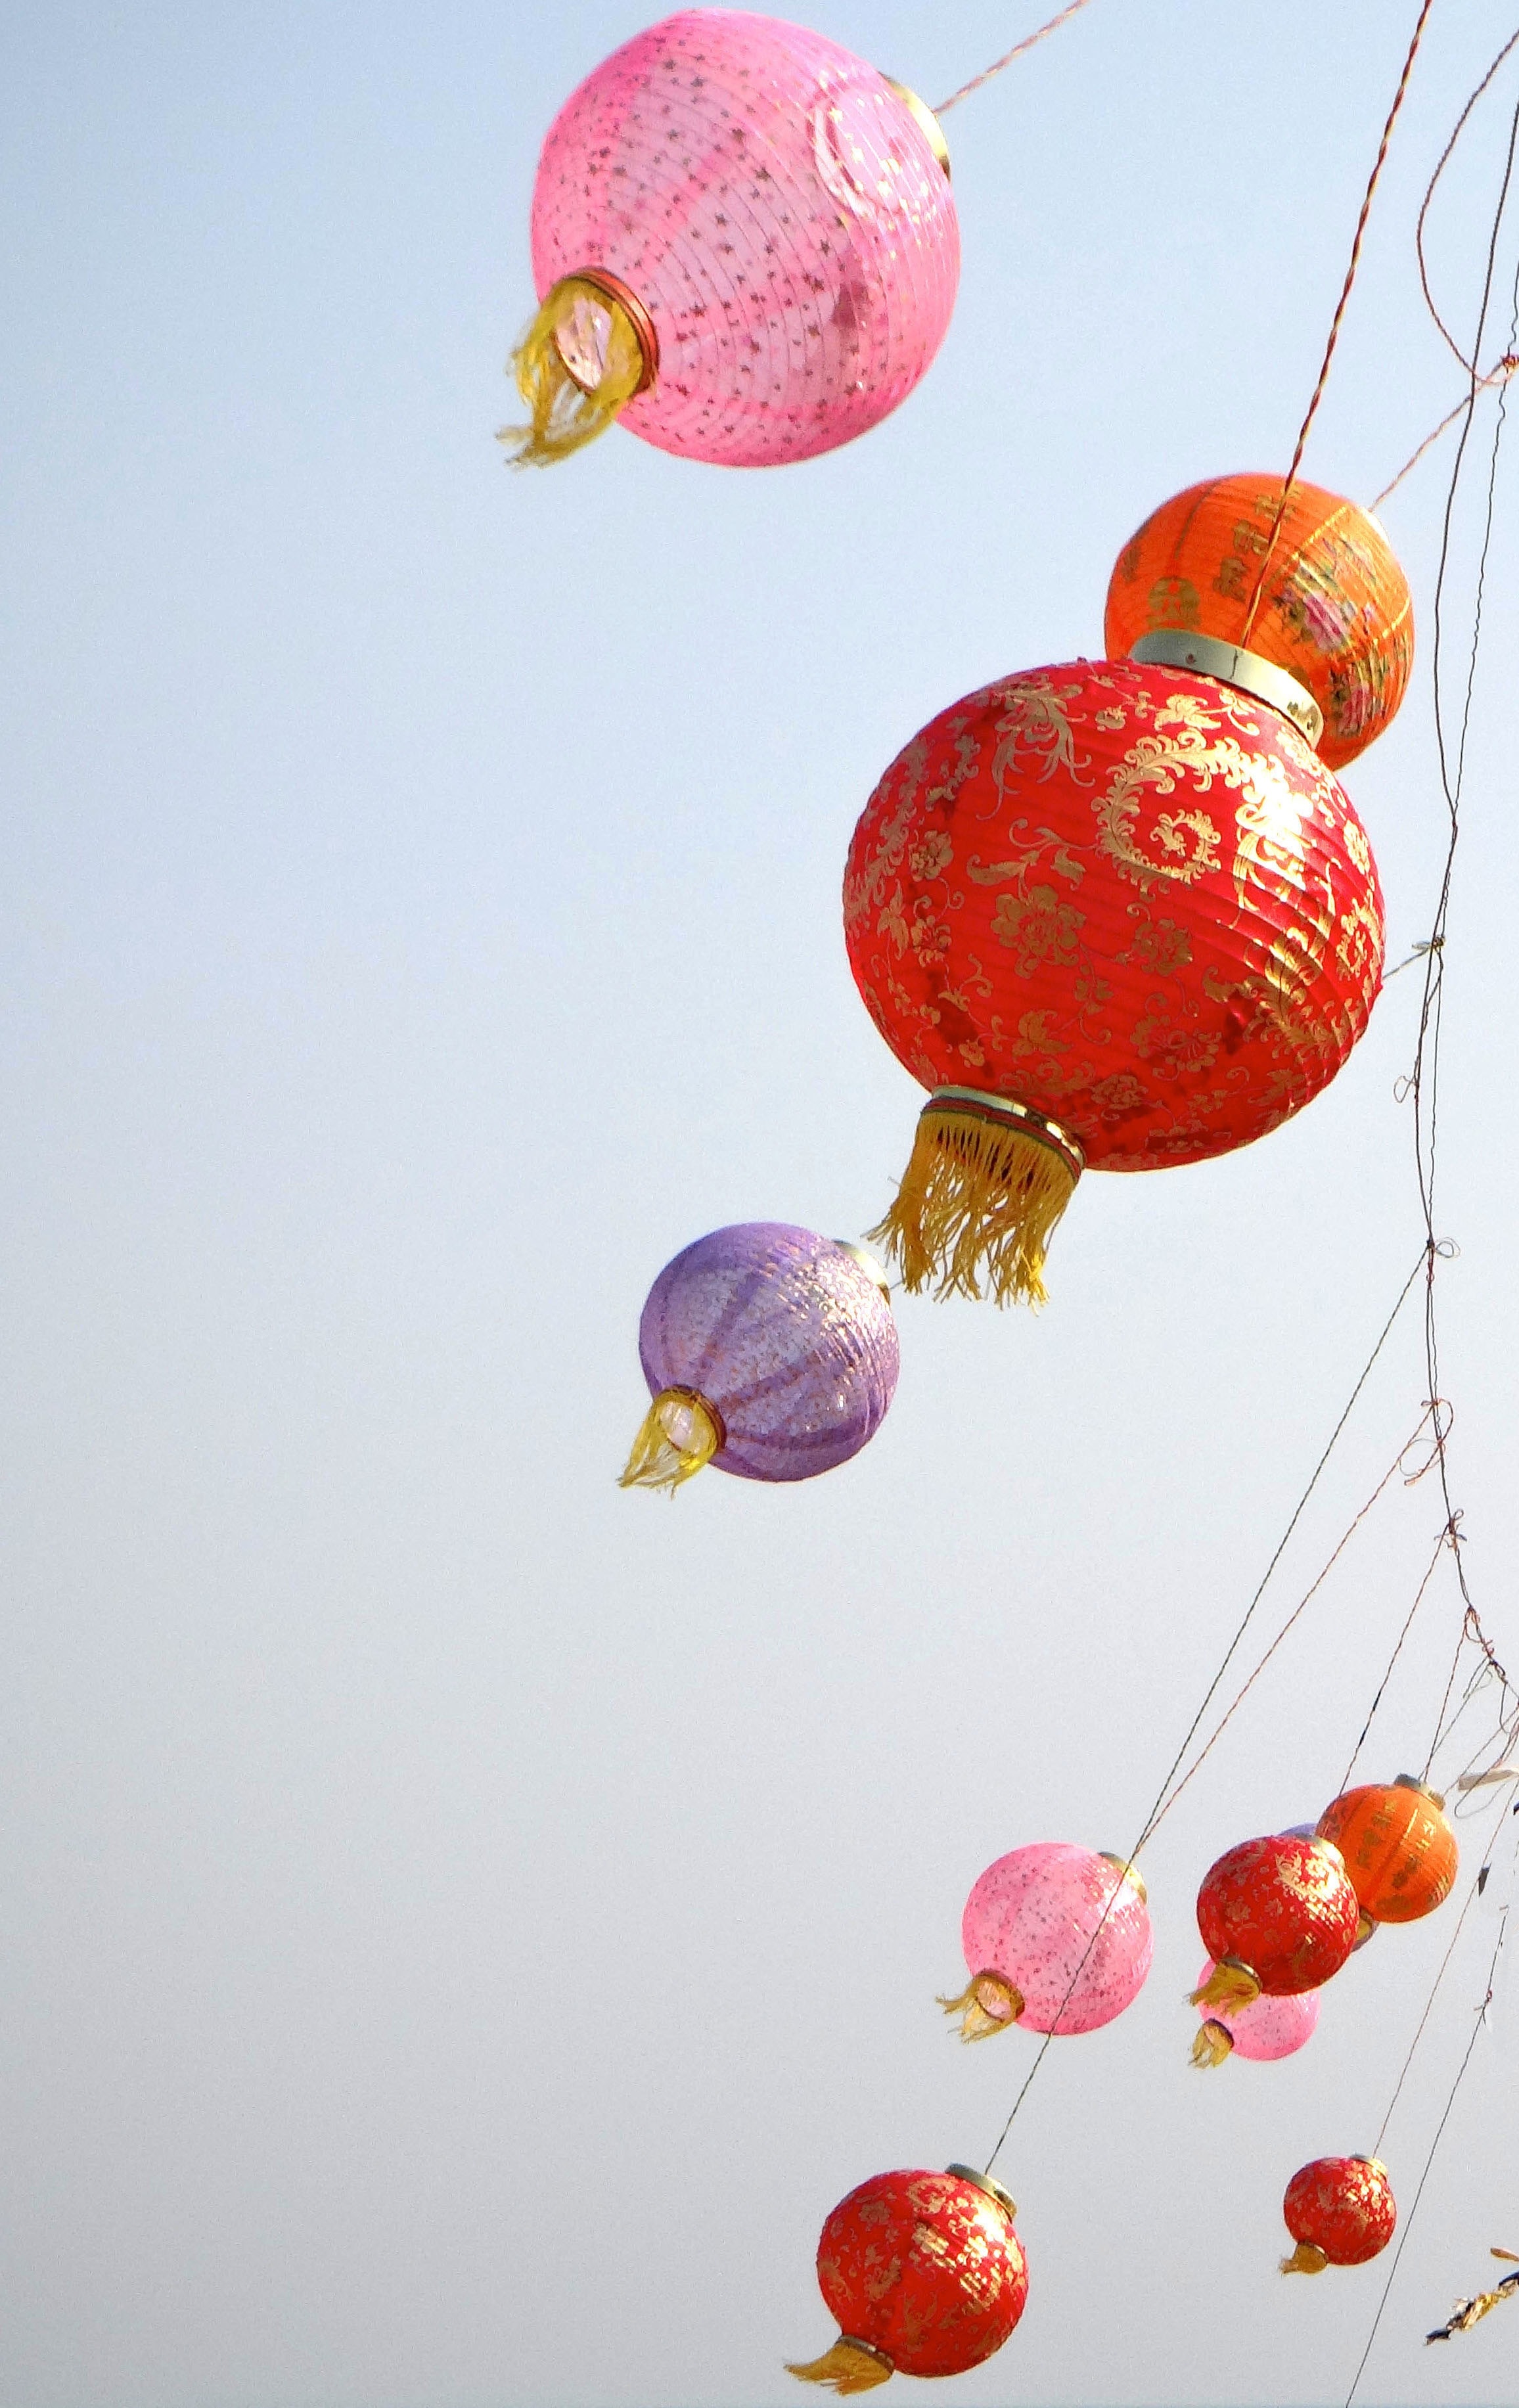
(744, 245)
(1056, 1939)
(1262, 2031)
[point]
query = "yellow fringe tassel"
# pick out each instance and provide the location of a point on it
(1307, 2259)
(678, 1435)
(850, 2366)
(1213, 2044)
(979, 1200)
(988, 2004)
(1230, 1985)
(578, 366)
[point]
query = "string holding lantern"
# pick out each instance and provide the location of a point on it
(768, 1351)
(1400, 1851)
(1056, 1939)
(1112, 915)
(1339, 2211)
(744, 245)
(925, 2275)
(1277, 1915)
(1262, 2029)
(1335, 609)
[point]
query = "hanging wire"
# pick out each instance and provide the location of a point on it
(1336, 322)
(1441, 1544)
(1159, 1805)
(1499, 375)
(1444, 160)
(1016, 53)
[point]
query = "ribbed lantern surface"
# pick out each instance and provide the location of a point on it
(778, 211)
(1340, 2211)
(1399, 1850)
(1281, 1907)
(1126, 899)
(786, 1333)
(924, 2269)
(1335, 609)
(1065, 1929)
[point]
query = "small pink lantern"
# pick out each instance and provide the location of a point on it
(1056, 1938)
(1264, 2031)
(744, 245)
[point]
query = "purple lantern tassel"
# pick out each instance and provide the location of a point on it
(768, 1351)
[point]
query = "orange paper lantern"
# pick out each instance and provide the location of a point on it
(1400, 1851)
(1334, 612)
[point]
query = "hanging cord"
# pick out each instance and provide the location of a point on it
(1159, 1805)
(1470, 366)
(1016, 53)
(1430, 1412)
(1489, 1668)
(1336, 322)
(1478, 2021)
(1499, 375)
(1441, 1544)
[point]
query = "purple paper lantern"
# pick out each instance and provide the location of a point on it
(1056, 1938)
(768, 1351)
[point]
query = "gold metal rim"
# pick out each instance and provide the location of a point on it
(874, 1270)
(1410, 1781)
(1010, 1113)
(984, 2181)
(613, 289)
(694, 1397)
(1130, 1873)
(927, 124)
(1178, 648)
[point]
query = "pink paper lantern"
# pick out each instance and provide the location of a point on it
(1266, 2029)
(1056, 1939)
(744, 243)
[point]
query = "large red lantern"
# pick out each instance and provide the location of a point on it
(1341, 2212)
(1279, 1915)
(1110, 914)
(925, 2275)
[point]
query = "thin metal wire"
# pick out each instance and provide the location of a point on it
(1338, 321)
(1499, 375)
(1444, 160)
(1016, 53)
(1392, 1660)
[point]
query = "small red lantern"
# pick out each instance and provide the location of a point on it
(1279, 1915)
(1111, 915)
(924, 2274)
(1341, 2212)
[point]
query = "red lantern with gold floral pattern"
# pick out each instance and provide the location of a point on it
(925, 2275)
(1279, 1915)
(1400, 1851)
(1341, 2212)
(1109, 914)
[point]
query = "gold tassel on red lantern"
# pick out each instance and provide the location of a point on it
(981, 1197)
(1307, 2259)
(1230, 1985)
(849, 2367)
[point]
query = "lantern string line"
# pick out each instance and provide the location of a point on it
(1160, 1799)
(1336, 322)
(1499, 375)
(1016, 53)
(1443, 163)
(1392, 1661)
(1478, 2021)
(1429, 1414)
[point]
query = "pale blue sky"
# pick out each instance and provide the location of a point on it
(461, 1925)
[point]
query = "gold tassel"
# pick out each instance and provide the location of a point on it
(1230, 1985)
(988, 2004)
(850, 2366)
(980, 1199)
(1213, 2044)
(680, 1433)
(1307, 2259)
(591, 347)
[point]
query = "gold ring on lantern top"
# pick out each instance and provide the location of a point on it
(1008, 1112)
(613, 288)
(1173, 648)
(1131, 1873)
(927, 124)
(874, 1271)
(1407, 1780)
(1375, 2163)
(984, 2182)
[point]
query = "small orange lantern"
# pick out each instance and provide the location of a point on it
(1334, 611)
(1341, 2212)
(1400, 1851)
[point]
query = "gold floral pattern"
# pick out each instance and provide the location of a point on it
(1129, 896)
